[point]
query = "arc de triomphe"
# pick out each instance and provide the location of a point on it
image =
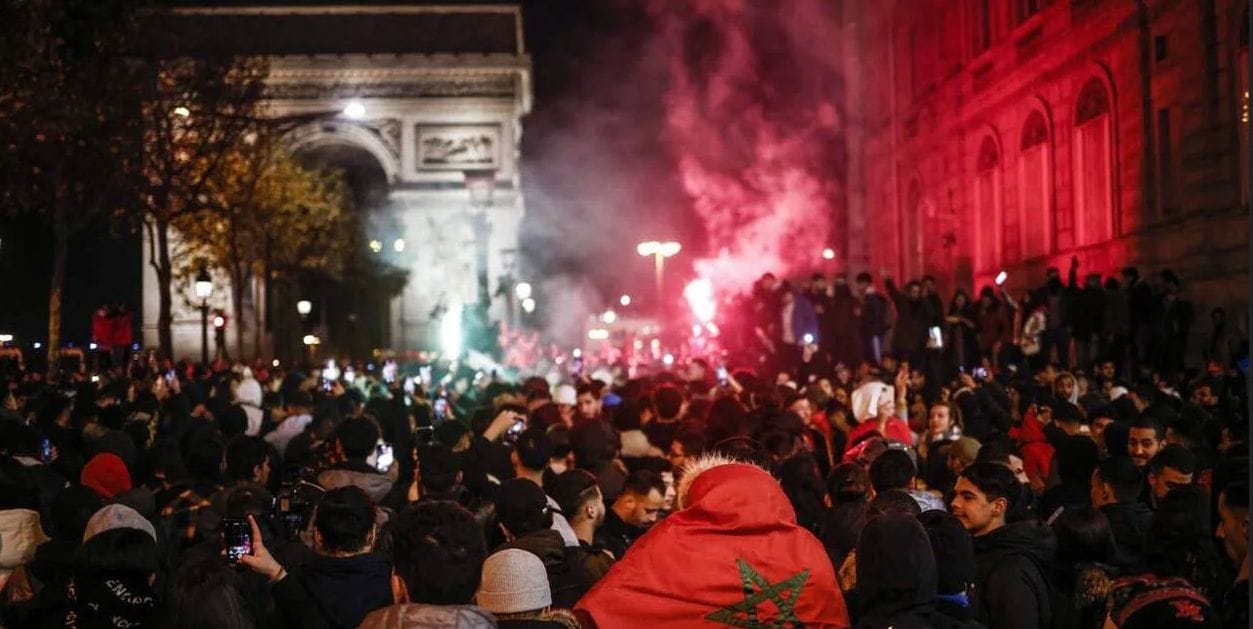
(435, 95)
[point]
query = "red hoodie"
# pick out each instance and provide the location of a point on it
(734, 556)
(1037, 454)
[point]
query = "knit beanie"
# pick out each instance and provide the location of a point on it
(514, 581)
(117, 517)
(106, 474)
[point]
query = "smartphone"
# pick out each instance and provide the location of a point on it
(45, 450)
(1001, 277)
(723, 376)
(424, 374)
(441, 408)
(237, 538)
(170, 376)
(389, 371)
(937, 337)
(511, 435)
(410, 386)
(577, 365)
(980, 372)
(385, 458)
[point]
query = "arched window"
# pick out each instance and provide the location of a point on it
(1032, 229)
(1094, 192)
(987, 215)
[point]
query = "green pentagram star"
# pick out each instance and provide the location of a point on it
(744, 614)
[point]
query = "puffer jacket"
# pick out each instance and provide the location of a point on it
(367, 479)
(415, 616)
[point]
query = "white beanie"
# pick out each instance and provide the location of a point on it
(117, 516)
(514, 581)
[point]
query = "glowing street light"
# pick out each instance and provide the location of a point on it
(304, 307)
(204, 290)
(660, 251)
(624, 301)
(354, 110)
(522, 290)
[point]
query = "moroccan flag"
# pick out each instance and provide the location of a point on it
(732, 556)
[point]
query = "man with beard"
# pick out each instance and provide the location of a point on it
(579, 498)
(633, 512)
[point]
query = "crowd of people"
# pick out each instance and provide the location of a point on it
(1137, 324)
(845, 476)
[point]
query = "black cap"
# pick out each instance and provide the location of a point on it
(522, 507)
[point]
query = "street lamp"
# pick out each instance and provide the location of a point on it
(660, 251)
(204, 290)
(304, 307)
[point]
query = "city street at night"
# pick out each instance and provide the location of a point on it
(600, 314)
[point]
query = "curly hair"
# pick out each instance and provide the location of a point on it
(438, 550)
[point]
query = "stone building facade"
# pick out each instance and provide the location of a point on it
(989, 135)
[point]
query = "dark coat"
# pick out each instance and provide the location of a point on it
(896, 577)
(616, 536)
(348, 588)
(1130, 523)
(1012, 565)
(568, 575)
(912, 316)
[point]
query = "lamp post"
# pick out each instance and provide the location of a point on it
(660, 251)
(204, 290)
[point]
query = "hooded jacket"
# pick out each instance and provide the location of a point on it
(896, 577)
(732, 554)
(348, 588)
(895, 574)
(417, 616)
(1012, 565)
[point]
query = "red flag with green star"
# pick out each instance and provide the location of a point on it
(732, 557)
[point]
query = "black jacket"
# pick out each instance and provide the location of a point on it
(1012, 565)
(348, 588)
(1130, 523)
(896, 577)
(568, 575)
(615, 535)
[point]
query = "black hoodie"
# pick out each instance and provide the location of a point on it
(1011, 583)
(348, 588)
(896, 577)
